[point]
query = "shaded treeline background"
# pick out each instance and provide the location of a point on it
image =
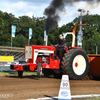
(23, 23)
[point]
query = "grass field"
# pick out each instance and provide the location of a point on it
(92, 99)
(7, 73)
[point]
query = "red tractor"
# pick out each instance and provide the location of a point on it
(74, 63)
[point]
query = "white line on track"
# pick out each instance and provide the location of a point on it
(73, 96)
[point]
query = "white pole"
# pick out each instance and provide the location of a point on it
(11, 36)
(96, 49)
(28, 41)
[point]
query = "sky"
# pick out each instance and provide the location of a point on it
(36, 8)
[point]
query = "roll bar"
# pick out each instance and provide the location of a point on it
(73, 33)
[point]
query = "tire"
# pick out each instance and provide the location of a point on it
(75, 64)
(39, 70)
(20, 73)
(48, 73)
(57, 73)
(96, 77)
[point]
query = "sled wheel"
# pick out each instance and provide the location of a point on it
(96, 77)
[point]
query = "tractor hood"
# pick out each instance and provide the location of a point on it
(40, 47)
(32, 51)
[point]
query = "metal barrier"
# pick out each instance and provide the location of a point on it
(17, 52)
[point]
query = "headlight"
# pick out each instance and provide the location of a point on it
(30, 52)
(26, 51)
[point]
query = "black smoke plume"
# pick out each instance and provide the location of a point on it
(57, 6)
(52, 14)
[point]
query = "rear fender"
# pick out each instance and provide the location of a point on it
(73, 48)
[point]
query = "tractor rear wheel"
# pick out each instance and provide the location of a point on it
(75, 64)
(20, 73)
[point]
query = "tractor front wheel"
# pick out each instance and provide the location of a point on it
(20, 73)
(39, 70)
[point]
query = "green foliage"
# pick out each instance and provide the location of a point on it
(20, 41)
(91, 33)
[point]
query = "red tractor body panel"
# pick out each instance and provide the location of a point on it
(32, 63)
(54, 64)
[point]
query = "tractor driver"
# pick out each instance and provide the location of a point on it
(62, 45)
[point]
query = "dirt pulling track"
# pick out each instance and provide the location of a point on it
(32, 87)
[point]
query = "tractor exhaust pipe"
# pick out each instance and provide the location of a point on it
(46, 40)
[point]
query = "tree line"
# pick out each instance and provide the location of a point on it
(91, 33)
